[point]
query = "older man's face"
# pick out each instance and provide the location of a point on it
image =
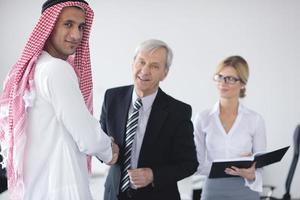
(149, 68)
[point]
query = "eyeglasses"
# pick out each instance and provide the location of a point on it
(227, 79)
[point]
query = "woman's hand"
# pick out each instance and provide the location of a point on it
(248, 173)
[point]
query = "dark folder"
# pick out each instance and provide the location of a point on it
(261, 159)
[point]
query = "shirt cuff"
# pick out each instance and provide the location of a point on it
(255, 185)
(106, 153)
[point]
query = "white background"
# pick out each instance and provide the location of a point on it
(201, 33)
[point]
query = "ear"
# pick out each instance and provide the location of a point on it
(166, 71)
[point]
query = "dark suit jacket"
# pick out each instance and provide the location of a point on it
(168, 147)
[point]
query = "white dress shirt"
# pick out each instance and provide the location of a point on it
(144, 114)
(60, 133)
(247, 135)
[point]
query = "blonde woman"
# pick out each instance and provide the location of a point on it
(230, 130)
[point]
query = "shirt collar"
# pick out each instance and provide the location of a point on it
(147, 100)
(216, 109)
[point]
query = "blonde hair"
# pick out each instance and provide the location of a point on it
(241, 67)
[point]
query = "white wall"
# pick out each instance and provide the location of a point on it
(201, 33)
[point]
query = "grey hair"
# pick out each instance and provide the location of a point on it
(152, 45)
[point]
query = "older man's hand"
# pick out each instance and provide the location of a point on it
(115, 153)
(140, 177)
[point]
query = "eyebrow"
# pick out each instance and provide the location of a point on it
(155, 63)
(232, 76)
(73, 22)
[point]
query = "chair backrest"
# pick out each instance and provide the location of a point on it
(297, 140)
(294, 161)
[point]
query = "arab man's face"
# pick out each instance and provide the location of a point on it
(67, 33)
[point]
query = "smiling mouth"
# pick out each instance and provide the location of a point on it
(224, 90)
(73, 43)
(142, 79)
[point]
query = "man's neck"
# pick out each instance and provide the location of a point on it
(51, 50)
(142, 94)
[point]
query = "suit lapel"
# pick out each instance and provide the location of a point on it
(156, 120)
(124, 104)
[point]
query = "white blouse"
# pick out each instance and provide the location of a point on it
(247, 135)
(61, 132)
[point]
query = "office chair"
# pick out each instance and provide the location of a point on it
(292, 169)
(3, 180)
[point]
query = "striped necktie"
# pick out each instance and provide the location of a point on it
(131, 127)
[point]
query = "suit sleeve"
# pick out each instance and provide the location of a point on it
(183, 157)
(104, 114)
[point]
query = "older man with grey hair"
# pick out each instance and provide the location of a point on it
(153, 130)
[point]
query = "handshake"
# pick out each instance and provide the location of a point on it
(115, 152)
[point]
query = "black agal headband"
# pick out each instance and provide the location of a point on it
(50, 3)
